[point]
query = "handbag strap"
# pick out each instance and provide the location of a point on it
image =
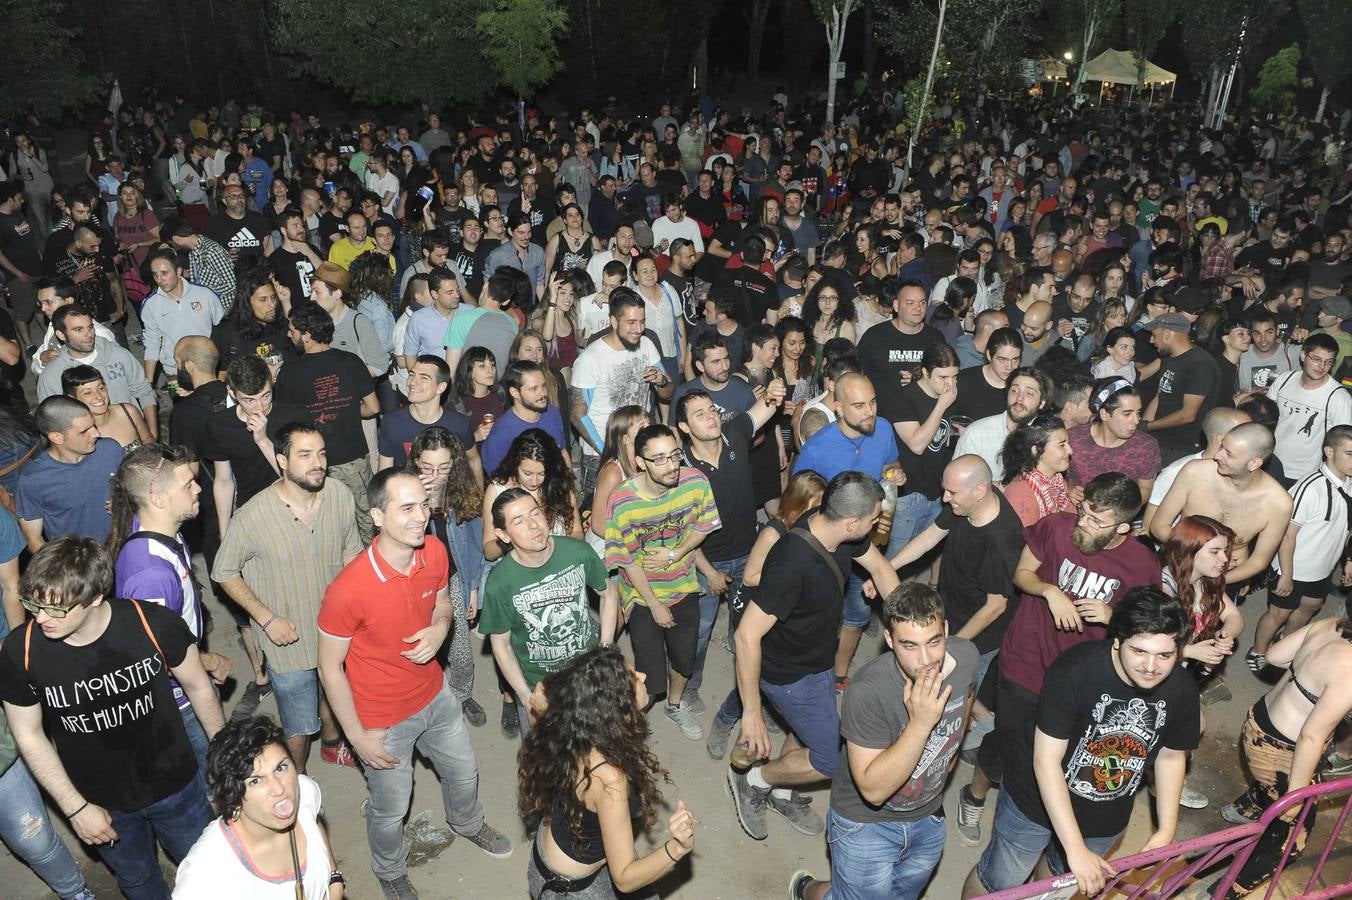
(810, 539)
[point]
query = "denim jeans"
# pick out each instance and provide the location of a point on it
(28, 833)
(883, 860)
(915, 512)
(1017, 842)
(177, 822)
(438, 732)
(708, 613)
(466, 539)
(197, 737)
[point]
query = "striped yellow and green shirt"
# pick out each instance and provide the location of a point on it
(635, 523)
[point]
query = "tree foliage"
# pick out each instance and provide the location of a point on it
(1144, 24)
(1215, 29)
(44, 71)
(1328, 28)
(1088, 23)
(984, 40)
(520, 38)
(1277, 80)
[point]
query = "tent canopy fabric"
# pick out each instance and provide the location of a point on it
(1119, 67)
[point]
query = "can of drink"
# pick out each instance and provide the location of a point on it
(487, 419)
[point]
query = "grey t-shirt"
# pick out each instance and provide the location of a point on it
(1257, 373)
(873, 716)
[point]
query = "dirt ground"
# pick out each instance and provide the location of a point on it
(726, 863)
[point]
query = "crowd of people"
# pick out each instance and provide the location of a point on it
(1044, 408)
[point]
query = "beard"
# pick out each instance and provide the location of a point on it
(305, 483)
(1088, 543)
(864, 426)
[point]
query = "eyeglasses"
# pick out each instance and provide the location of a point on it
(1323, 362)
(671, 459)
(1086, 516)
(54, 612)
(443, 469)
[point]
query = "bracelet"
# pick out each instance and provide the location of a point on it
(270, 620)
(668, 849)
(82, 808)
(336, 877)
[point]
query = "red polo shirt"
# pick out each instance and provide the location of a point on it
(375, 607)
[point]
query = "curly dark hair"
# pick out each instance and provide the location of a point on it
(230, 759)
(464, 494)
(591, 707)
(1024, 445)
(559, 488)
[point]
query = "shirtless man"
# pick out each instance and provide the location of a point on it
(1215, 427)
(1287, 733)
(1235, 490)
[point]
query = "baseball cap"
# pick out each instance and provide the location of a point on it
(1171, 321)
(1337, 306)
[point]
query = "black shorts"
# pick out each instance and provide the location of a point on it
(655, 647)
(1299, 589)
(1015, 706)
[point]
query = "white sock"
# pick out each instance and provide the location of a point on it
(756, 779)
(782, 793)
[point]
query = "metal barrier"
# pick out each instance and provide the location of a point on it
(1168, 871)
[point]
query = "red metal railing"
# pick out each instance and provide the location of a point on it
(1163, 873)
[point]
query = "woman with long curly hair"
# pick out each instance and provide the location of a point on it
(438, 459)
(1035, 458)
(535, 464)
(586, 769)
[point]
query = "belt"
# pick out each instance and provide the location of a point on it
(555, 882)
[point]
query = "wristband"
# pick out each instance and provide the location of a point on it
(82, 809)
(666, 846)
(336, 877)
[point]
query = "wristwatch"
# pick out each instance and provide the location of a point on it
(336, 877)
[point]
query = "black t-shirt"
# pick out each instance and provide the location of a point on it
(331, 385)
(709, 212)
(684, 286)
(753, 294)
(1264, 257)
(469, 265)
(710, 267)
(923, 470)
(294, 270)
(802, 594)
(228, 440)
(977, 562)
(108, 706)
(188, 427)
(245, 236)
(1114, 729)
(1080, 321)
(399, 428)
(450, 221)
(1227, 385)
(331, 228)
(732, 483)
(976, 398)
(813, 179)
(1195, 372)
(19, 243)
(884, 352)
(232, 345)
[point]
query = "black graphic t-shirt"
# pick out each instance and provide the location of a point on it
(245, 236)
(873, 716)
(109, 706)
(923, 470)
(1114, 730)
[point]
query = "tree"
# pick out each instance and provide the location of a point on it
(1276, 88)
(984, 40)
(835, 17)
(1328, 24)
(405, 53)
(44, 71)
(920, 110)
(1089, 21)
(1146, 22)
(520, 39)
(1219, 32)
(755, 13)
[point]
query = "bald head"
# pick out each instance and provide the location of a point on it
(852, 383)
(1062, 262)
(969, 471)
(199, 351)
(1036, 321)
(1220, 420)
(1257, 439)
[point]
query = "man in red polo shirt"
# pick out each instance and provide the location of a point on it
(380, 625)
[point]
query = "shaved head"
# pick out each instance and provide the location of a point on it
(850, 380)
(1255, 437)
(970, 469)
(1220, 420)
(1038, 315)
(198, 350)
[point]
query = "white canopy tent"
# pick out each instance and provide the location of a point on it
(1120, 67)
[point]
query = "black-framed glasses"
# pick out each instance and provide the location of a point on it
(55, 612)
(673, 459)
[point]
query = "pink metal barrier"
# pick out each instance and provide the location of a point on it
(1168, 871)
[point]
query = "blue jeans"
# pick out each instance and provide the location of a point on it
(883, 860)
(809, 706)
(915, 512)
(197, 737)
(297, 695)
(28, 833)
(438, 732)
(1017, 842)
(708, 612)
(177, 821)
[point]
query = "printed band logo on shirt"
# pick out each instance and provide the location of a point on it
(1110, 758)
(101, 689)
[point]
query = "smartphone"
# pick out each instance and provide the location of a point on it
(329, 188)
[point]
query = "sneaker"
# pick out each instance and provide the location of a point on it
(694, 702)
(798, 810)
(719, 735)
(340, 754)
(491, 841)
(511, 725)
(969, 817)
(1256, 661)
(685, 720)
(253, 695)
(474, 713)
(1231, 814)
(398, 888)
(842, 682)
(1193, 798)
(85, 894)
(798, 884)
(1336, 766)
(750, 803)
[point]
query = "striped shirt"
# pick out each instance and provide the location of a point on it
(289, 565)
(635, 523)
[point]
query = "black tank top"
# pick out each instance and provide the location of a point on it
(589, 848)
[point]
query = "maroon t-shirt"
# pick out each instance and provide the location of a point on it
(1138, 458)
(1033, 641)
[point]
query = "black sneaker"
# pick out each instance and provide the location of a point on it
(1256, 661)
(968, 825)
(511, 725)
(474, 713)
(253, 695)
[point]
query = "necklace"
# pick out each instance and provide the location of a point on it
(858, 445)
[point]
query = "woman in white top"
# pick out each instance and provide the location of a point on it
(268, 843)
(1118, 355)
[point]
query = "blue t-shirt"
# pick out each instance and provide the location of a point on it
(734, 399)
(12, 543)
(828, 452)
(69, 498)
(399, 428)
(509, 425)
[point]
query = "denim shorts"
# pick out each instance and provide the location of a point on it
(297, 696)
(809, 706)
(1017, 842)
